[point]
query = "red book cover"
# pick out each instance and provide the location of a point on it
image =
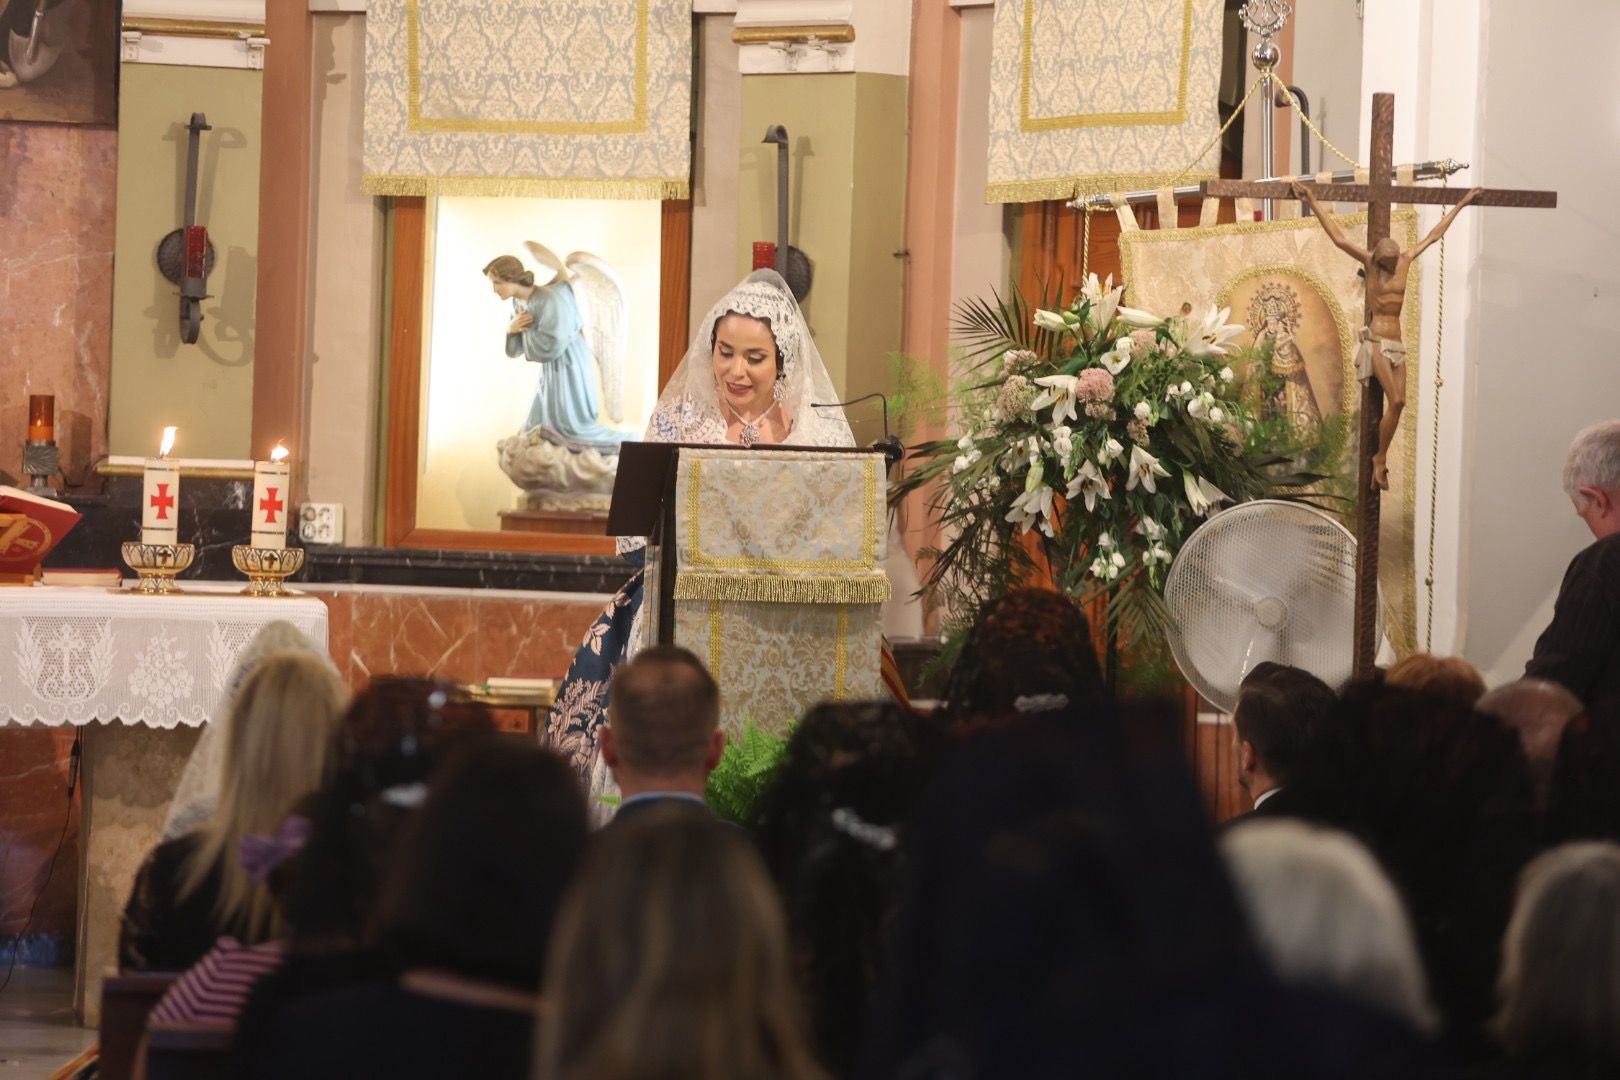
(24, 545)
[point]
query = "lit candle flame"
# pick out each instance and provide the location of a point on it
(168, 442)
(279, 453)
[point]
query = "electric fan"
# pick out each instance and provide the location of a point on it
(1263, 580)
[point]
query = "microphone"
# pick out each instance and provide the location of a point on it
(893, 452)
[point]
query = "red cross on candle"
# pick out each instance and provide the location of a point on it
(162, 501)
(271, 506)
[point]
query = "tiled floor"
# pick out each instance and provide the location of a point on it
(38, 1033)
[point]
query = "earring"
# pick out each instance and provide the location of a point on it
(779, 389)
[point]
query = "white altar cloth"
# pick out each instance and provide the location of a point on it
(74, 655)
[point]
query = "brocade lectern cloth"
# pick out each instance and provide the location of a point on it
(1090, 96)
(71, 656)
(556, 98)
(780, 581)
(1286, 280)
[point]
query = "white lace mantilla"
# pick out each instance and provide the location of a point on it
(71, 656)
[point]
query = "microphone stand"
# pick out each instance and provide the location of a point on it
(893, 452)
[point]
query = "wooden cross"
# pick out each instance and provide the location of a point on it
(1380, 193)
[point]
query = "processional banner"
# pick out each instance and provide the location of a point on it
(1285, 280)
(549, 98)
(780, 581)
(1089, 96)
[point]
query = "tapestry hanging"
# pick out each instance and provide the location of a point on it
(1285, 280)
(555, 98)
(1090, 96)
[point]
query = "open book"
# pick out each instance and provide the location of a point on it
(30, 526)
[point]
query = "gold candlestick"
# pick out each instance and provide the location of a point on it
(157, 564)
(267, 569)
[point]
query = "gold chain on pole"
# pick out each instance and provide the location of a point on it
(1434, 454)
(1085, 240)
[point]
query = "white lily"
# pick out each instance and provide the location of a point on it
(1150, 529)
(966, 442)
(1156, 552)
(1110, 452)
(1203, 496)
(1226, 374)
(1033, 507)
(1144, 470)
(1197, 406)
(1209, 334)
(1088, 483)
(1117, 360)
(1103, 570)
(1059, 393)
(1105, 540)
(1104, 297)
(961, 464)
(1062, 441)
(1136, 317)
(1215, 414)
(1051, 320)
(1142, 410)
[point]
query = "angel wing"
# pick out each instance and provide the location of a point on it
(607, 322)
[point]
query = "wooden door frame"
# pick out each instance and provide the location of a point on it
(408, 220)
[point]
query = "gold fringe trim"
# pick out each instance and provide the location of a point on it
(527, 186)
(831, 33)
(746, 588)
(1075, 187)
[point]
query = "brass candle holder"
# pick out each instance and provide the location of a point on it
(267, 569)
(157, 564)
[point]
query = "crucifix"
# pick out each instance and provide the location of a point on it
(1382, 259)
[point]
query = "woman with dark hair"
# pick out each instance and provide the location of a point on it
(465, 915)
(669, 959)
(829, 825)
(327, 883)
(1065, 914)
(1028, 651)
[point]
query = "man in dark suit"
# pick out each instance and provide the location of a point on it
(663, 736)
(1580, 649)
(1277, 706)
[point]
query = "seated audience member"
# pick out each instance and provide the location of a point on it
(663, 737)
(830, 823)
(1029, 651)
(1450, 677)
(1560, 983)
(1277, 708)
(1442, 796)
(464, 918)
(1538, 712)
(192, 890)
(1065, 914)
(389, 742)
(197, 793)
(669, 959)
(1580, 649)
(1326, 915)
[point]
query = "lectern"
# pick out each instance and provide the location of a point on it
(765, 562)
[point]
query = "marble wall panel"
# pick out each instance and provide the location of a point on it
(56, 217)
(33, 811)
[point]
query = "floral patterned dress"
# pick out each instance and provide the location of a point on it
(582, 700)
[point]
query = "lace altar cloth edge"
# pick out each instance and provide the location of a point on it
(72, 656)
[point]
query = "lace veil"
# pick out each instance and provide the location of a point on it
(689, 409)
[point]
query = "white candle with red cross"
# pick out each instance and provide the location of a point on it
(270, 500)
(160, 496)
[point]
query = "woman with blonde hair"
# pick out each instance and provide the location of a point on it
(193, 889)
(669, 959)
(1560, 980)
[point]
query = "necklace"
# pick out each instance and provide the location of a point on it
(750, 433)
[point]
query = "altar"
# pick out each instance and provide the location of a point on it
(139, 675)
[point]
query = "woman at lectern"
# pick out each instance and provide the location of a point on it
(750, 376)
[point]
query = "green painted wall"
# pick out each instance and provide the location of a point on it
(207, 388)
(847, 158)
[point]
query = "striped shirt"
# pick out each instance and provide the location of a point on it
(214, 990)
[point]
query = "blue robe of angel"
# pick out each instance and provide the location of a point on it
(567, 396)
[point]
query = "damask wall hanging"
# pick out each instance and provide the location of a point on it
(556, 98)
(1090, 96)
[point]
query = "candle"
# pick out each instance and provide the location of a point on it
(41, 417)
(160, 496)
(270, 500)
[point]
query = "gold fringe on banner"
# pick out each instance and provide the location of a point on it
(744, 588)
(526, 186)
(1070, 187)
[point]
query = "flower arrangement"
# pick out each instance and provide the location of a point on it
(1096, 438)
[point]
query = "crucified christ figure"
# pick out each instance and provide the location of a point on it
(1382, 351)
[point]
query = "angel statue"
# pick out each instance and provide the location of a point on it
(564, 457)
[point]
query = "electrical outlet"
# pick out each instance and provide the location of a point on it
(320, 523)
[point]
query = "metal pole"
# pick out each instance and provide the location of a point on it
(1266, 18)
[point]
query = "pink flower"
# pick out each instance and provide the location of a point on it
(1094, 384)
(1137, 430)
(1143, 338)
(1014, 359)
(1098, 410)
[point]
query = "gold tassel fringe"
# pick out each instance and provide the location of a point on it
(527, 187)
(745, 588)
